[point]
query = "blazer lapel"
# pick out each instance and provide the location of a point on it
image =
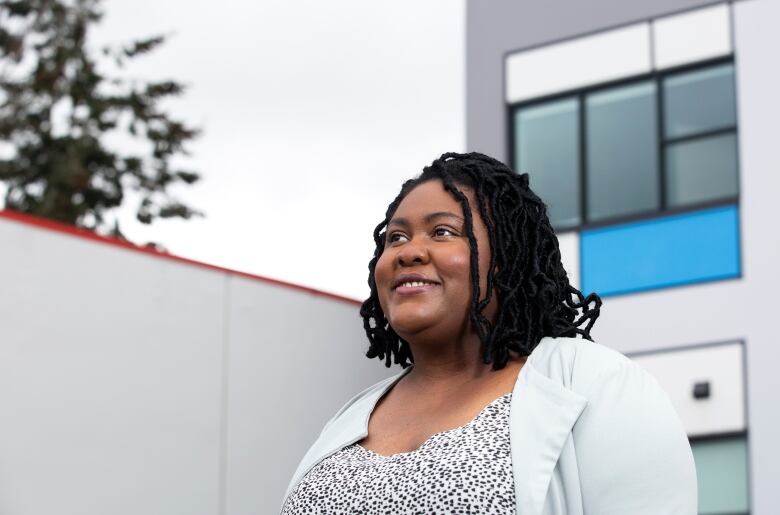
(542, 414)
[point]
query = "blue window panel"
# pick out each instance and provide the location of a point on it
(674, 250)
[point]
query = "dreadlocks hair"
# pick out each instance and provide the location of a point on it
(533, 292)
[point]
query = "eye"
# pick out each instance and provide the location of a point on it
(395, 237)
(444, 231)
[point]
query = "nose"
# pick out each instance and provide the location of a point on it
(413, 252)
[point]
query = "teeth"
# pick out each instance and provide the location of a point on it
(413, 284)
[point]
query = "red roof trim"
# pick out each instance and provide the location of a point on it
(60, 227)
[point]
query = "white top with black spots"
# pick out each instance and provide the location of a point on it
(464, 470)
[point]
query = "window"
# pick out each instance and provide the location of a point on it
(700, 121)
(622, 151)
(664, 141)
(722, 473)
(547, 138)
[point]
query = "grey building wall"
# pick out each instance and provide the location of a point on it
(494, 28)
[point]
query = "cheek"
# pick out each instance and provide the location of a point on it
(383, 269)
(383, 274)
(455, 268)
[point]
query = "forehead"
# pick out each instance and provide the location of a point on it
(430, 196)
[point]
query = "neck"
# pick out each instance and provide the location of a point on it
(448, 367)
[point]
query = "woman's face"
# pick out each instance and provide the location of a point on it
(422, 277)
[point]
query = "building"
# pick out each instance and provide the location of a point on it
(138, 382)
(649, 129)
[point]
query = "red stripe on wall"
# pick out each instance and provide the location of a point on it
(63, 228)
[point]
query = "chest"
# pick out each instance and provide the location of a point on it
(466, 470)
(392, 430)
(399, 424)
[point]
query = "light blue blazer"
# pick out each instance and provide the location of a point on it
(591, 433)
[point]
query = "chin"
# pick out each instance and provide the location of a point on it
(406, 327)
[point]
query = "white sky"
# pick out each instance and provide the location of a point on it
(313, 114)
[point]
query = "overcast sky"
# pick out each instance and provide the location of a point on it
(313, 114)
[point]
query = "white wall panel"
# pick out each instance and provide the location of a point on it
(721, 366)
(674, 317)
(109, 379)
(295, 359)
(757, 40)
(579, 62)
(569, 245)
(133, 383)
(692, 36)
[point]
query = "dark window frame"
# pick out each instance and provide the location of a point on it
(656, 76)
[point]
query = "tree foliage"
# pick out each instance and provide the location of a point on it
(57, 106)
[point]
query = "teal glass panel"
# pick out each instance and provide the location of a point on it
(547, 147)
(702, 169)
(699, 101)
(622, 151)
(722, 470)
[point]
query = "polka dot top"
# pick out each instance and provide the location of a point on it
(464, 470)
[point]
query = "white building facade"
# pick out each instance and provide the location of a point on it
(648, 128)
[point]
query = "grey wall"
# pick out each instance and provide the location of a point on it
(498, 26)
(131, 383)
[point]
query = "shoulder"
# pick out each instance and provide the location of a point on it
(578, 364)
(629, 439)
(603, 376)
(633, 454)
(595, 371)
(584, 351)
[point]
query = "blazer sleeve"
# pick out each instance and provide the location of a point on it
(632, 451)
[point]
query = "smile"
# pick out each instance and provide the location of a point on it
(412, 287)
(414, 283)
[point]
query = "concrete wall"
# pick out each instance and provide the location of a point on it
(131, 383)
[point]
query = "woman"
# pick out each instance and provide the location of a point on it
(498, 408)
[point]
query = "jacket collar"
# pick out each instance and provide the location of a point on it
(542, 414)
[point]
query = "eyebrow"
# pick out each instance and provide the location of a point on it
(428, 218)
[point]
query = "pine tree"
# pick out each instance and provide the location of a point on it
(57, 106)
